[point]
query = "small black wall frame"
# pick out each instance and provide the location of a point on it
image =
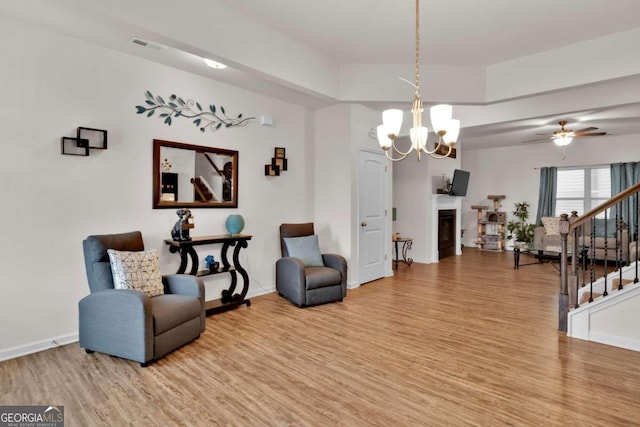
(87, 138)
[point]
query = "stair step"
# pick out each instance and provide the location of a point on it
(585, 297)
(616, 282)
(613, 287)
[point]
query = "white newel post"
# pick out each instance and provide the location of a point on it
(442, 202)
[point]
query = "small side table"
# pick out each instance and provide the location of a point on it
(230, 298)
(406, 246)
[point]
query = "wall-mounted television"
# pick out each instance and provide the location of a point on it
(459, 183)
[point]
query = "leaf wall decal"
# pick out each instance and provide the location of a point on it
(177, 107)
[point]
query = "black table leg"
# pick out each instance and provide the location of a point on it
(230, 299)
(396, 259)
(405, 248)
(186, 253)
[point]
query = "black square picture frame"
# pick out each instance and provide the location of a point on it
(97, 137)
(74, 146)
(280, 162)
(271, 170)
(280, 152)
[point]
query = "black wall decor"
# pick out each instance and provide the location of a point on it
(271, 170)
(97, 137)
(87, 138)
(278, 164)
(74, 146)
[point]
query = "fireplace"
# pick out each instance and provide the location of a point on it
(441, 202)
(446, 233)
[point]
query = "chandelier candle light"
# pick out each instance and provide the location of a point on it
(446, 128)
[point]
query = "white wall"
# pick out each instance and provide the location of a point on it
(512, 171)
(333, 175)
(340, 132)
(52, 84)
(413, 185)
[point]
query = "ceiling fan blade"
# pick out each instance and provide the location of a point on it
(579, 134)
(589, 129)
(538, 140)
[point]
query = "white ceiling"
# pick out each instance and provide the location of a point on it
(453, 32)
(299, 51)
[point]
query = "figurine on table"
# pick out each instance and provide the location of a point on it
(180, 231)
(211, 264)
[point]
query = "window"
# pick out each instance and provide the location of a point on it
(581, 189)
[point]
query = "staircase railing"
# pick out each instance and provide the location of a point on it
(579, 237)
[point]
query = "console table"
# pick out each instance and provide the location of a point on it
(407, 242)
(188, 253)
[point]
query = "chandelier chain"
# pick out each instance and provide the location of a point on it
(418, 48)
(440, 116)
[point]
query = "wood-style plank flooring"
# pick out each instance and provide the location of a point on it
(467, 341)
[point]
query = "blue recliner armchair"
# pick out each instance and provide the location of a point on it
(129, 323)
(309, 285)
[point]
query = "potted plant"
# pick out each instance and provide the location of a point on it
(519, 228)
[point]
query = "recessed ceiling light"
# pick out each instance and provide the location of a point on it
(214, 64)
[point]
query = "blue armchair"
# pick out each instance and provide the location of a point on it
(128, 323)
(326, 281)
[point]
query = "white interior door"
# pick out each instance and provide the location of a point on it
(372, 215)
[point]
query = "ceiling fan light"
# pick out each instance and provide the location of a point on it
(392, 121)
(440, 116)
(563, 140)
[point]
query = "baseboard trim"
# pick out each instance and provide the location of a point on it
(622, 342)
(425, 260)
(46, 344)
(261, 291)
(35, 347)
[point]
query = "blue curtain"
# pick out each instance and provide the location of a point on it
(623, 176)
(547, 195)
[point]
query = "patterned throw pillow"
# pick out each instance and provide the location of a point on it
(551, 224)
(139, 271)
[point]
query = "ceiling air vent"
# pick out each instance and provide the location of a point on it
(144, 43)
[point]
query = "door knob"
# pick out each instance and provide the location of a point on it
(364, 224)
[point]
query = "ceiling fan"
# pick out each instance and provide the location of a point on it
(565, 136)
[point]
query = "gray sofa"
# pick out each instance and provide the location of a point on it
(128, 323)
(634, 248)
(543, 239)
(306, 286)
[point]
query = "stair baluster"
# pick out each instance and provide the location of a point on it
(619, 231)
(606, 255)
(635, 239)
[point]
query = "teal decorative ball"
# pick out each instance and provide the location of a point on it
(234, 224)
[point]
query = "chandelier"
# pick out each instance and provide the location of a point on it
(446, 128)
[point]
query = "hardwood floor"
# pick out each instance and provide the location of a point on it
(467, 341)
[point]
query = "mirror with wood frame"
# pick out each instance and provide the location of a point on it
(194, 176)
